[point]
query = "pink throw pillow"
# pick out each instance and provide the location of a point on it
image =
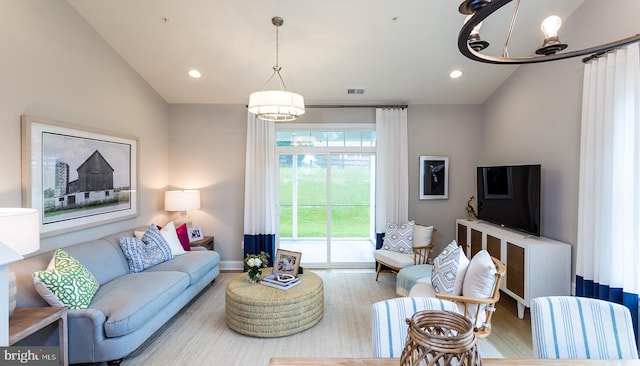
(183, 236)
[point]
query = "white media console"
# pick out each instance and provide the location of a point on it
(536, 266)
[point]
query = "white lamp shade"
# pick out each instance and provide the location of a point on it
(182, 200)
(20, 229)
(276, 105)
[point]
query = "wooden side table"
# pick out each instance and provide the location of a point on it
(206, 242)
(26, 321)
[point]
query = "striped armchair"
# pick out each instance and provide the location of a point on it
(389, 326)
(581, 328)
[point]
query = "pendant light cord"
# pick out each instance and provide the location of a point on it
(277, 68)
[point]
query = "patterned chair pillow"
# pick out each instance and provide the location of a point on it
(66, 282)
(170, 234)
(449, 268)
(399, 237)
(153, 249)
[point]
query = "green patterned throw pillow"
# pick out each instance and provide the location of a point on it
(66, 282)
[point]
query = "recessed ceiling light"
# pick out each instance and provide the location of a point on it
(194, 73)
(455, 74)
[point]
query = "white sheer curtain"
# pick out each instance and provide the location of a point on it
(392, 182)
(260, 205)
(608, 248)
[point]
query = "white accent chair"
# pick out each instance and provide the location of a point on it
(389, 326)
(581, 328)
(395, 261)
(478, 310)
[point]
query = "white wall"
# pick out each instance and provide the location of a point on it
(535, 116)
(207, 147)
(55, 66)
(448, 130)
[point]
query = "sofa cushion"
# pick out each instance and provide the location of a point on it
(399, 237)
(394, 259)
(194, 263)
(449, 269)
(480, 277)
(146, 253)
(65, 282)
(171, 236)
(422, 235)
(479, 280)
(183, 236)
(408, 276)
(130, 301)
(110, 252)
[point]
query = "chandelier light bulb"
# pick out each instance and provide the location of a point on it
(550, 26)
(551, 45)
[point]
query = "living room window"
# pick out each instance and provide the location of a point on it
(327, 193)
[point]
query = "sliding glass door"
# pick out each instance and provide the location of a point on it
(303, 205)
(326, 197)
(351, 208)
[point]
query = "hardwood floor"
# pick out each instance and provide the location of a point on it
(511, 335)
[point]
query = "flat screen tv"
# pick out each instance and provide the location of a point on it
(510, 196)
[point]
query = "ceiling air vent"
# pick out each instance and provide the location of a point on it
(355, 91)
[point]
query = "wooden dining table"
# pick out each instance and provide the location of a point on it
(322, 361)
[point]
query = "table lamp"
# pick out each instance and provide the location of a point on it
(182, 200)
(20, 231)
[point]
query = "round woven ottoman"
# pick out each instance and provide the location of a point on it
(261, 311)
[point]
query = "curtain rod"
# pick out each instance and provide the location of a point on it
(602, 53)
(403, 106)
(595, 56)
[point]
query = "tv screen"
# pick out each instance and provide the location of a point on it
(510, 196)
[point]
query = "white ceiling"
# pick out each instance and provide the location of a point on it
(399, 51)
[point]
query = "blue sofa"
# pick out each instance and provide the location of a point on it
(128, 307)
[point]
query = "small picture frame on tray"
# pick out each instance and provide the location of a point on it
(287, 262)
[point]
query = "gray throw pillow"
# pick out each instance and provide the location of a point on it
(399, 238)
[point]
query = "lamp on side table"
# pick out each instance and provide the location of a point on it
(182, 200)
(19, 235)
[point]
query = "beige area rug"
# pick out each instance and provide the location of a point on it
(198, 335)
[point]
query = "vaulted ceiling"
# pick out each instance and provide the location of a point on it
(398, 51)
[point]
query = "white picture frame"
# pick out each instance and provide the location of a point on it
(195, 233)
(58, 175)
(287, 261)
(434, 177)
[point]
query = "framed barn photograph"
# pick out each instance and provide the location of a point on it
(434, 177)
(77, 177)
(287, 262)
